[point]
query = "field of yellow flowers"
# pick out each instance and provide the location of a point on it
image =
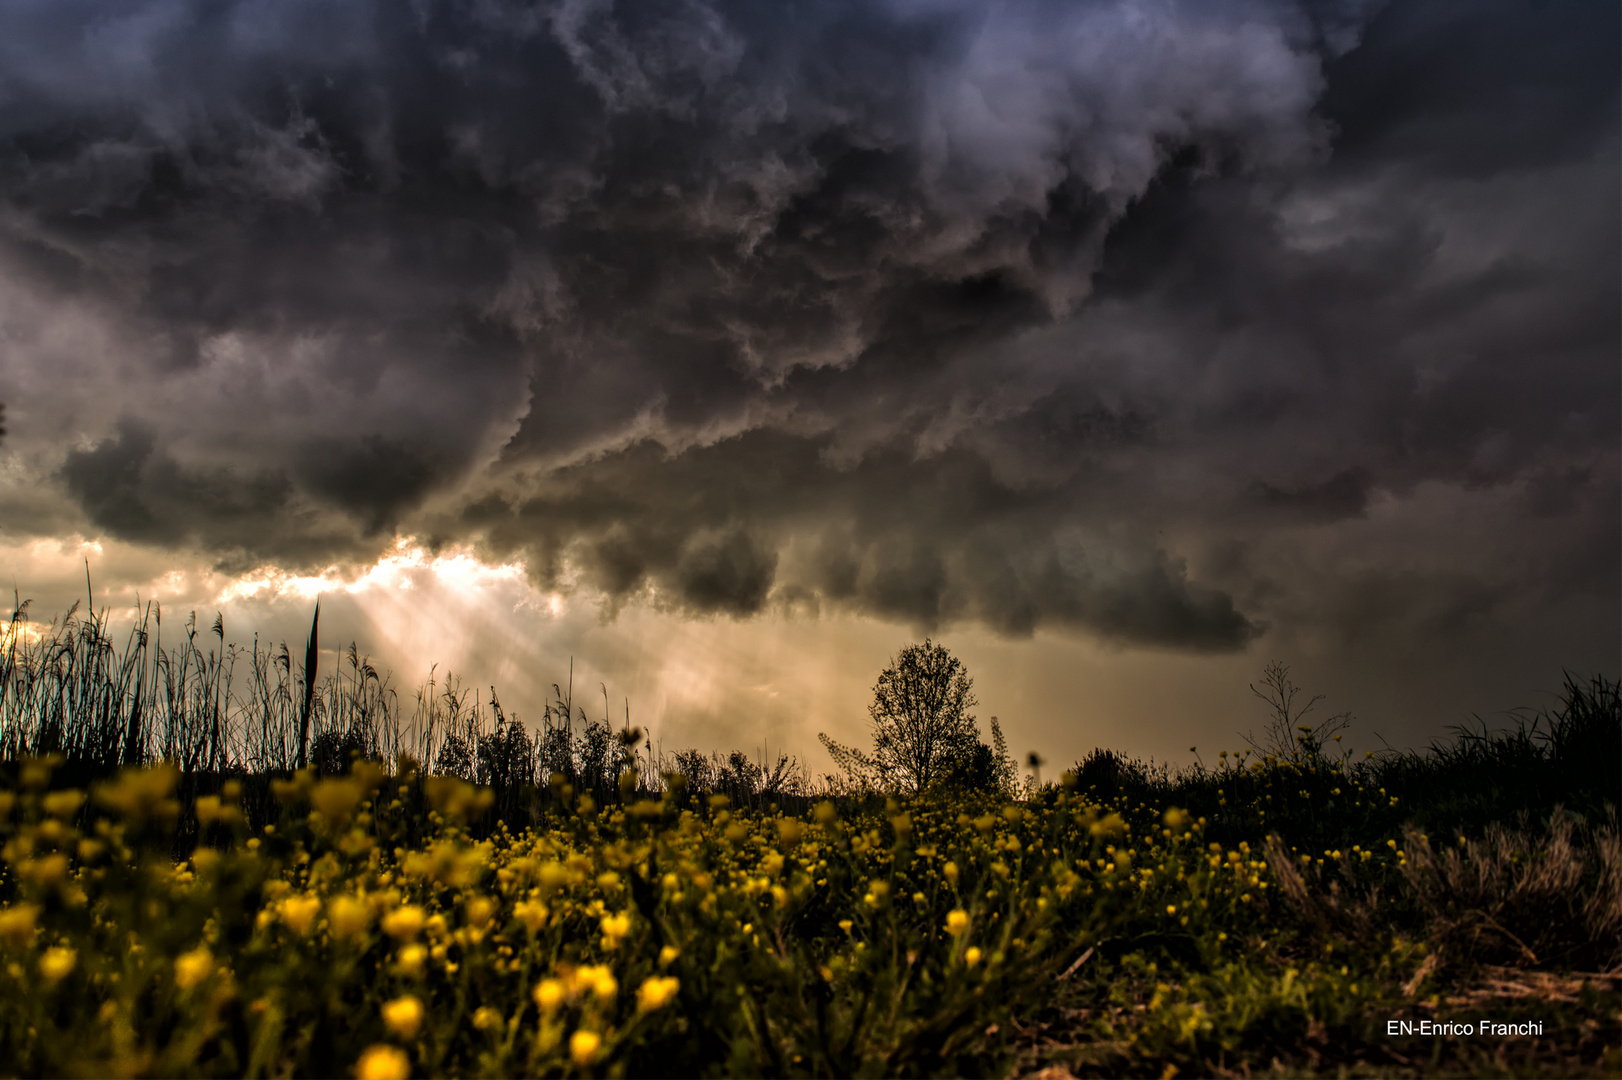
(386, 925)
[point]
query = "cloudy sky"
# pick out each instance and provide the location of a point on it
(729, 346)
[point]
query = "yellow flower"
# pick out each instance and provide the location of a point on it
(193, 967)
(656, 992)
(480, 910)
(57, 964)
(411, 960)
(549, 995)
(950, 870)
(403, 1015)
(404, 923)
(845, 925)
(971, 957)
(63, 804)
(583, 1047)
(486, 1019)
(599, 979)
(615, 927)
(347, 916)
(17, 924)
(382, 1062)
(335, 800)
(298, 913)
(957, 921)
(667, 955)
(532, 913)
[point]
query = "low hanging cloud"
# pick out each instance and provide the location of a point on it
(1095, 316)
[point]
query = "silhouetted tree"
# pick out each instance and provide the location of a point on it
(922, 726)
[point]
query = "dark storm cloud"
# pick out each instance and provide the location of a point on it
(1345, 494)
(134, 490)
(922, 542)
(935, 310)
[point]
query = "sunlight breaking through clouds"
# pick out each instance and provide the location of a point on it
(408, 566)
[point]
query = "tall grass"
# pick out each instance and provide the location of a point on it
(214, 709)
(70, 688)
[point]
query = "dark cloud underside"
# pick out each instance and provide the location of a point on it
(1036, 314)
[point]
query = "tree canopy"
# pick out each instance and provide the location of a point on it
(922, 724)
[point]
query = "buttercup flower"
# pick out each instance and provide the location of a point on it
(583, 1047)
(57, 964)
(656, 993)
(383, 1062)
(404, 923)
(193, 967)
(549, 995)
(403, 1015)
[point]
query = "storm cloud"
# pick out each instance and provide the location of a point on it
(1119, 317)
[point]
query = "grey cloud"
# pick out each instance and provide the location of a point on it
(925, 542)
(1346, 494)
(937, 311)
(375, 476)
(136, 491)
(1474, 87)
(726, 573)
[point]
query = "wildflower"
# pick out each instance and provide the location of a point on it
(845, 925)
(957, 921)
(63, 804)
(57, 964)
(583, 1047)
(403, 1015)
(548, 995)
(532, 913)
(615, 927)
(404, 923)
(486, 1019)
(667, 955)
(17, 924)
(298, 913)
(656, 992)
(139, 794)
(347, 917)
(950, 870)
(601, 980)
(1110, 825)
(335, 800)
(383, 1062)
(972, 956)
(480, 910)
(411, 960)
(193, 967)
